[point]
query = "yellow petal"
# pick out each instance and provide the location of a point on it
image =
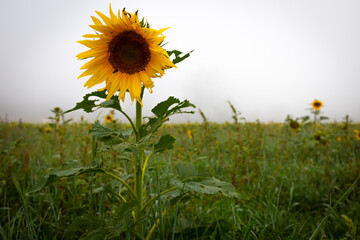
(106, 19)
(96, 21)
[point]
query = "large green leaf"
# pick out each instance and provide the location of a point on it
(166, 142)
(207, 186)
(91, 105)
(186, 170)
(162, 111)
(55, 176)
(192, 181)
(108, 135)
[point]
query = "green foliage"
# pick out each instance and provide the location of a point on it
(285, 181)
(56, 175)
(163, 111)
(91, 105)
(192, 181)
(177, 54)
(166, 142)
(109, 135)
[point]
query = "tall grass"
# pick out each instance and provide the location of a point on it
(288, 180)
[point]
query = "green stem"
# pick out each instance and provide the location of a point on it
(138, 165)
(154, 198)
(144, 167)
(122, 181)
(156, 223)
(130, 121)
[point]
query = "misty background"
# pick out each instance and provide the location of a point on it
(269, 58)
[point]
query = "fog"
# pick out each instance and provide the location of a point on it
(269, 58)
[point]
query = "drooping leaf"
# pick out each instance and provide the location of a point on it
(305, 118)
(91, 105)
(177, 54)
(108, 135)
(186, 170)
(166, 142)
(55, 176)
(162, 111)
(208, 186)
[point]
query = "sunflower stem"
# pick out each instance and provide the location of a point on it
(139, 167)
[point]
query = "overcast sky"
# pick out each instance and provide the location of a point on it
(269, 58)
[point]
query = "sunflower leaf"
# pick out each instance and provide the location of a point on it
(166, 142)
(207, 186)
(162, 111)
(56, 175)
(108, 135)
(177, 54)
(88, 105)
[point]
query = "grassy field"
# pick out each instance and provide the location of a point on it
(293, 182)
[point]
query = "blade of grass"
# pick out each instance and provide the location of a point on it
(333, 207)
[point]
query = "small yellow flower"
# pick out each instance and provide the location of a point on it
(112, 112)
(109, 118)
(357, 134)
(316, 104)
(189, 134)
(339, 138)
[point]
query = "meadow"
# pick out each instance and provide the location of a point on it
(292, 180)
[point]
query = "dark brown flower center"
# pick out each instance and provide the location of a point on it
(317, 104)
(129, 52)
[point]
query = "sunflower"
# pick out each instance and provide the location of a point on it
(189, 133)
(357, 134)
(125, 54)
(316, 104)
(294, 124)
(109, 118)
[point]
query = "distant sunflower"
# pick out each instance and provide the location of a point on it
(189, 133)
(109, 118)
(357, 134)
(294, 124)
(316, 104)
(126, 54)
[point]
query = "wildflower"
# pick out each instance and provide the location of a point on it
(126, 54)
(294, 124)
(321, 138)
(357, 134)
(109, 118)
(319, 135)
(316, 104)
(339, 138)
(189, 134)
(47, 130)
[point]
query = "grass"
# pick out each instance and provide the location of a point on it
(288, 181)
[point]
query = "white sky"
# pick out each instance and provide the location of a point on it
(269, 58)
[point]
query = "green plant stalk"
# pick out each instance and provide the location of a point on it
(122, 181)
(154, 198)
(138, 166)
